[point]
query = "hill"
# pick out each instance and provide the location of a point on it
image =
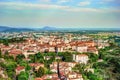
(11, 29)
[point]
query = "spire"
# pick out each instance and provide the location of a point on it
(61, 77)
(58, 71)
(56, 50)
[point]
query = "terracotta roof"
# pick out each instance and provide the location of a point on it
(26, 48)
(15, 51)
(36, 64)
(92, 48)
(20, 68)
(5, 47)
(38, 79)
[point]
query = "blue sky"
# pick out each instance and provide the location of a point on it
(60, 13)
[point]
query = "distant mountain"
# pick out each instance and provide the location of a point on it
(3, 28)
(11, 29)
(47, 28)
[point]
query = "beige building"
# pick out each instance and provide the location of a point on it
(81, 58)
(19, 69)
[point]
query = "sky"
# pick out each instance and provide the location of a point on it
(60, 13)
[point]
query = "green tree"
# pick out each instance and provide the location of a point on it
(67, 56)
(32, 60)
(40, 72)
(0, 54)
(23, 63)
(93, 57)
(39, 57)
(10, 68)
(27, 68)
(6, 55)
(23, 76)
(19, 58)
(2, 64)
(80, 67)
(5, 42)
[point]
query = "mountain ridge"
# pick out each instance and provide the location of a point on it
(11, 29)
(48, 28)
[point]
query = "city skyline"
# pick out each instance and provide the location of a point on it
(60, 13)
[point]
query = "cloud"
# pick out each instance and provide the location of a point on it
(30, 6)
(44, 0)
(24, 6)
(64, 1)
(83, 10)
(106, 1)
(112, 9)
(85, 3)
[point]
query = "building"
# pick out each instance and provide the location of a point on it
(74, 76)
(81, 49)
(36, 65)
(81, 58)
(19, 69)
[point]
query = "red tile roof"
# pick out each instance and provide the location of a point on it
(15, 51)
(36, 64)
(20, 68)
(38, 79)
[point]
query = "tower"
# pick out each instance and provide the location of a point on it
(56, 50)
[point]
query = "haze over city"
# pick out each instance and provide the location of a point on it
(60, 13)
